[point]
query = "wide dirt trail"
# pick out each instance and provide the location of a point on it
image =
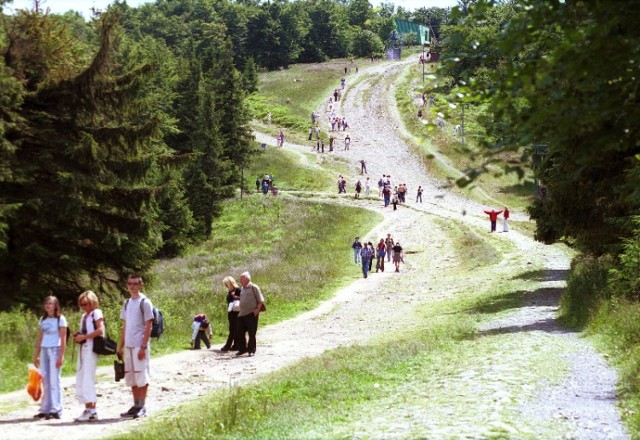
(583, 406)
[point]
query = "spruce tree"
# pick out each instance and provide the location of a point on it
(81, 189)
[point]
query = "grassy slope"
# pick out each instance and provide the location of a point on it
(366, 382)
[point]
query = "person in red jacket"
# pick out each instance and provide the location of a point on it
(505, 222)
(493, 216)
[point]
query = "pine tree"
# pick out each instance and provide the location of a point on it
(81, 188)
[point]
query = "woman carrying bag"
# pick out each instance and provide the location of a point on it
(233, 308)
(92, 326)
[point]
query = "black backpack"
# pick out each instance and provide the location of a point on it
(157, 325)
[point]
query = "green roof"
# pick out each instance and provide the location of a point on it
(408, 27)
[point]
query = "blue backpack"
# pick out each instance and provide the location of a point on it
(157, 325)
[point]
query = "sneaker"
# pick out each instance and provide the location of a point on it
(89, 415)
(142, 412)
(40, 416)
(52, 416)
(132, 413)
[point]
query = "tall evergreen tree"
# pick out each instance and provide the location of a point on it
(82, 209)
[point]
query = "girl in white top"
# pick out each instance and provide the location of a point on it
(91, 326)
(49, 357)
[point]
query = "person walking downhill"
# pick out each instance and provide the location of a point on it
(357, 247)
(388, 242)
(137, 318)
(233, 308)
(398, 255)
(380, 252)
(363, 167)
(49, 357)
(358, 189)
(419, 195)
(505, 221)
(367, 188)
(493, 217)
(366, 254)
(386, 193)
(91, 326)
(251, 304)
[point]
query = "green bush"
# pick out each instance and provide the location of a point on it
(624, 280)
(586, 289)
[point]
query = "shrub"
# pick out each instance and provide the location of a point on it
(586, 288)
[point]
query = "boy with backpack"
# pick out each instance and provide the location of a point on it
(138, 319)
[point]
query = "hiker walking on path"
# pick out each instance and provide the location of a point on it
(363, 167)
(251, 304)
(49, 357)
(357, 247)
(233, 308)
(367, 188)
(505, 221)
(493, 217)
(386, 193)
(91, 326)
(347, 142)
(388, 242)
(380, 252)
(358, 189)
(398, 255)
(366, 254)
(137, 317)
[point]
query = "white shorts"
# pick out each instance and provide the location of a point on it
(136, 371)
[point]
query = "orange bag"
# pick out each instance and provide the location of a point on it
(34, 387)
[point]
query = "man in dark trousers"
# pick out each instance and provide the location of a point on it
(493, 217)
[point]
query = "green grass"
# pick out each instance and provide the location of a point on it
(294, 171)
(304, 402)
(272, 238)
(257, 234)
(291, 95)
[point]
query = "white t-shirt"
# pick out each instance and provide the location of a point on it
(94, 315)
(51, 331)
(135, 320)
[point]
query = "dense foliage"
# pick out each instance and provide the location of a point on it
(562, 75)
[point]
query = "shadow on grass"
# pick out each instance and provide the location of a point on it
(526, 189)
(544, 275)
(544, 297)
(531, 311)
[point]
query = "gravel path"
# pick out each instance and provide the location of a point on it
(581, 406)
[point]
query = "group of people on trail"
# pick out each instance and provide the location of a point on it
(139, 318)
(493, 218)
(267, 185)
(244, 304)
(396, 196)
(365, 253)
(337, 123)
(133, 346)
